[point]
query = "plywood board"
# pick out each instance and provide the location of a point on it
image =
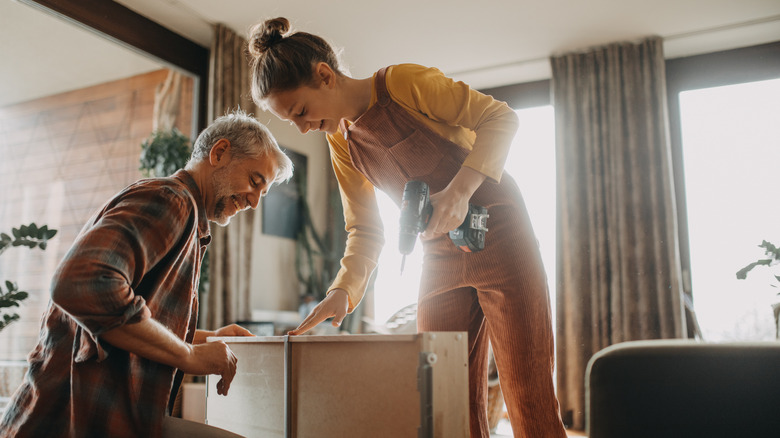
(354, 385)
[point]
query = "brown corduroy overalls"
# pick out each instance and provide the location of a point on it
(503, 285)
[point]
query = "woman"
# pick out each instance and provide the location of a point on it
(409, 122)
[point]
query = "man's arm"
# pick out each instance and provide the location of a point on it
(151, 340)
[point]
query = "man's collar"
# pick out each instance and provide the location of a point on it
(204, 232)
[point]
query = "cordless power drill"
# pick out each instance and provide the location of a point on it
(416, 210)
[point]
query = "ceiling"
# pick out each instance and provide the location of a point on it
(486, 43)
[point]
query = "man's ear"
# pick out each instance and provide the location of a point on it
(220, 153)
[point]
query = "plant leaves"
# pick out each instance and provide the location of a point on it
(19, 296)
(742, 273)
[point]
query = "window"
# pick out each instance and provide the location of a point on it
(731, 151)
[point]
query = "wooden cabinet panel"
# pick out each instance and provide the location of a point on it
(344, 386)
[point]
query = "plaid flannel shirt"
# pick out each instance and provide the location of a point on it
(138, 257)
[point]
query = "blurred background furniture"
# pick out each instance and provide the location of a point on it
(681, 388)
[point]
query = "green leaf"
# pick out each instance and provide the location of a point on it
(15, 231)
(19, 296)
(32, 229)
(7, 319)
(5, 237)
(742, 273)
(10, 286)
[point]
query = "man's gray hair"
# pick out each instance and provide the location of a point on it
(248, 139)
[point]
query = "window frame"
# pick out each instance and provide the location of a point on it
(124, 26)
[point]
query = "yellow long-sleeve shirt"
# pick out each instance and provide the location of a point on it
(470, 119)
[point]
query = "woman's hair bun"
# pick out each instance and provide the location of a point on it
(265, 35)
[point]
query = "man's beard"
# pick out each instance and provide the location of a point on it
(222, 195)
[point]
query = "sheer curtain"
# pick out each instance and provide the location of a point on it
(619, 275)
(230, 252)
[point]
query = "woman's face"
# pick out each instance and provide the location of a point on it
(319, 106)
(308, 108)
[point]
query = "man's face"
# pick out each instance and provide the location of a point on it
(239, 185)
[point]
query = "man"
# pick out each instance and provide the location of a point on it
(124, 299)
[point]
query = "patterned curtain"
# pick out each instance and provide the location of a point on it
(619, 275)
(230, 252)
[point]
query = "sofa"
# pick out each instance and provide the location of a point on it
(684, 388)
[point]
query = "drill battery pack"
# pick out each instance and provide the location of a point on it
(470, 235)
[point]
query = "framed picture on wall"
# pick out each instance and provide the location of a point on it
(283, 206)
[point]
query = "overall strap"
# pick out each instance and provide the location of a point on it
(382, 95)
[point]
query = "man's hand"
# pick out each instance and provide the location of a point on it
(233, 330)
(334, 305)
(229, 330)
(212, 358)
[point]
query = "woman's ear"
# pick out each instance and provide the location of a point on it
(220, 153)
(324, 74)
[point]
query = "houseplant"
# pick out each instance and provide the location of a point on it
(164, 152)
(772, 258)
(30, 236)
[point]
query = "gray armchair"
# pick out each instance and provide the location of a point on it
(685, 389)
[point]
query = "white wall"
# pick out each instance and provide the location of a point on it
(274, 281)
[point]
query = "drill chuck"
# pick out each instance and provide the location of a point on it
(416, 210)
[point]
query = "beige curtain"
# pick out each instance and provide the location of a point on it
(619, 275)
(167, 99)
(230, 252)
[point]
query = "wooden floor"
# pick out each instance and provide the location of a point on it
(504, 430)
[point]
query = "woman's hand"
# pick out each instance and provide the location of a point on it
(334, 305)
(449, 209)
(451, 205)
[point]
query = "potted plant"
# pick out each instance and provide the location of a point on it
(164, 152)
(30, 236)
(772, 253)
